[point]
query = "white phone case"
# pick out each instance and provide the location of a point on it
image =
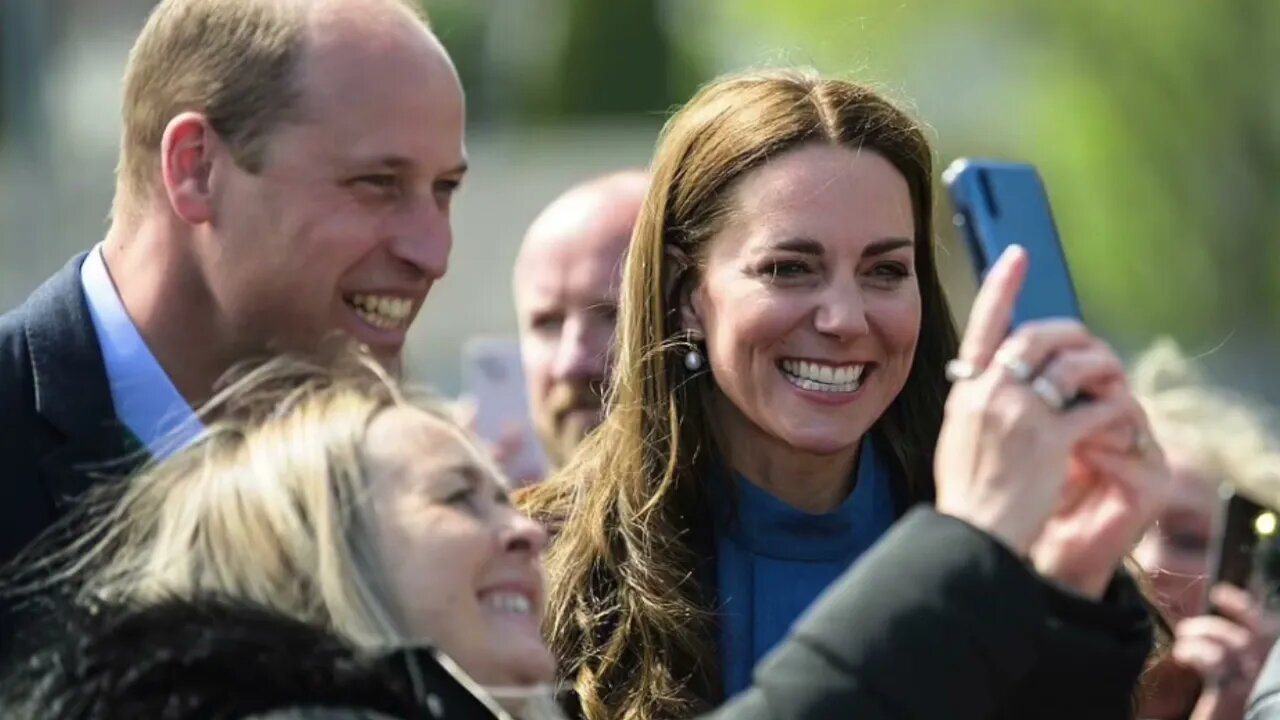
(493, 378)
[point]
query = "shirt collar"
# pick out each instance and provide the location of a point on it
(144, 397)
(767, 526)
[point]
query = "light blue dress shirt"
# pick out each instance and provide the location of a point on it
(145, 400)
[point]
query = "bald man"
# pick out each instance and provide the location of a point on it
(566, 290)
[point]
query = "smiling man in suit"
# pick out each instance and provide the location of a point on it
(285, 175)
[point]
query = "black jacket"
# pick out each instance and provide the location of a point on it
(59, 427)
(939, 620)
(58, 430)
(214, 659)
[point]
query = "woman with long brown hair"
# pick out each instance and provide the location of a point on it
(778, 392)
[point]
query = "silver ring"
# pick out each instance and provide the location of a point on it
(1017, 367)
(958, 370)
(1044, 388)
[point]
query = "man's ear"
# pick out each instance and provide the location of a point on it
(682, 288)
(186, 164)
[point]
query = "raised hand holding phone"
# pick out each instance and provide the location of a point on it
(1002, 457)
(1117, 479)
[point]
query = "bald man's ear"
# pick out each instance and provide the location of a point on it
(186, 165)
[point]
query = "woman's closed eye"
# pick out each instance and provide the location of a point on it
(461, 495)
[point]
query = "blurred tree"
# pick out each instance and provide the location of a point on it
(1157, 127)
(560, 59)
(617, 60)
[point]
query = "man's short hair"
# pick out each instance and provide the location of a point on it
(233, 60)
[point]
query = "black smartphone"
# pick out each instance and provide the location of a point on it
(1000, 204)
(1239, 532)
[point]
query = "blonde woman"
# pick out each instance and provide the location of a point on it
(1212, 438)
(328, 496)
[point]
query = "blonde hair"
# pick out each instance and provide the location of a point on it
(628, 619)
(1228, 437)
(233, 60)
(266, 506)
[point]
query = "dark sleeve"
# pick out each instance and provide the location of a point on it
(1264, 702)
(937, 620)
(25, 507)
(1107, 642)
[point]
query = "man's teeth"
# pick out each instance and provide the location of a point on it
(823, 378)
(509, 602)
(382, 311)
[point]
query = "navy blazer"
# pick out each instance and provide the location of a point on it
(60, 432)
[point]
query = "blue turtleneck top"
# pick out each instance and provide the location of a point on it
(773, 561)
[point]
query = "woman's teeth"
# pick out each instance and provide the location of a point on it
(823, 378)
(509, 602)
(382, 311)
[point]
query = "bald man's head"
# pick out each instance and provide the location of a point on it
(566, 289)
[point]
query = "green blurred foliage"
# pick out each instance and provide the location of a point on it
(617, 61)
(1155, 124)
(555, 60)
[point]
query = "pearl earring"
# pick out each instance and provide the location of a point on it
(693, 360)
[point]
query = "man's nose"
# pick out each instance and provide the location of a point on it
(580, 355)
(423, 239)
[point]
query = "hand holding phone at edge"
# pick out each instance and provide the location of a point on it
(1007, 452)
(1228, 651)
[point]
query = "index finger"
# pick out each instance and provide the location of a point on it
(992, 312)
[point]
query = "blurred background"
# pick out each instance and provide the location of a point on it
(1156, 126)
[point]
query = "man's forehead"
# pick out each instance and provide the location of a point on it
(568, 280)
(376, 62)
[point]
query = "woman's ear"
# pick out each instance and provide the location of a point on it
(682, 288)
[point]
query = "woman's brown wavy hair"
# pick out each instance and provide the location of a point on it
(631, 623)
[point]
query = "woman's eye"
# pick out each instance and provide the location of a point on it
(896, 270)
(546, 323)
(1188, 542)
(461, 496)
(785, 269)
